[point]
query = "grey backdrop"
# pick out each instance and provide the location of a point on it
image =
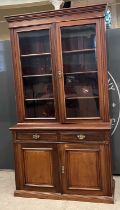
(113, 47)
(8, 107)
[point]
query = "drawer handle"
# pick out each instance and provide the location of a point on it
(36, 136)
(81, 136)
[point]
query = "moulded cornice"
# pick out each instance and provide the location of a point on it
(52, 13)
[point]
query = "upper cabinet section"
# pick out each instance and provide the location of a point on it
(60, 65)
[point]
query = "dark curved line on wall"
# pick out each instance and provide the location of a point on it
(119, 103)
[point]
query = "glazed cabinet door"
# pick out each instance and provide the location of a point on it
(35, 69)
(37, 167)
(81, 68)
(85, 169)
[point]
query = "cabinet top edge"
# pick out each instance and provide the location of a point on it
(52, 13)
(57, 126)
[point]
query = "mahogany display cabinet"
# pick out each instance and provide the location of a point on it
(62, 138)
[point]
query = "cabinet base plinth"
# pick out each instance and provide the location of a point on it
(58, 196)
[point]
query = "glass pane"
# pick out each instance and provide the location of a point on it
(78, 37)
(80, 108)
(79, 62)
(36, 65)
(40, 109)
(80, 71)
(37, 74)
(34, 42)
(77, 85)
(40, 87)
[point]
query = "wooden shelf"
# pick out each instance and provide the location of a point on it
(87, 97)
(79, 51)
(34, 55)
(40, 118)
(38, 75)
(82, 72)
(38, 99)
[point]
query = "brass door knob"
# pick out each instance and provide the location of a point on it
(59, 74)
(62, 169)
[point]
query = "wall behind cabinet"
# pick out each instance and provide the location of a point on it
(113, 46)
(7, 106)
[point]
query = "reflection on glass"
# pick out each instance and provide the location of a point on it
(40, 109)
(78, 37)
(79, 86)
(79, 62)
(34, 42)
(81, 108)
(36, 65)
(40, 87)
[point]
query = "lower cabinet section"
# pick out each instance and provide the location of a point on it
(78, 169)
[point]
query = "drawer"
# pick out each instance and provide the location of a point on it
(36, 136)
(83, 136)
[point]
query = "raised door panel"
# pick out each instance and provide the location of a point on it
(83, 176)
(39, 167)
(84, 170)
(43, 159)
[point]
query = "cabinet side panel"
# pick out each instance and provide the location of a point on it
(102, 63)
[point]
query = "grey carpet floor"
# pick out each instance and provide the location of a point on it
(9, 202)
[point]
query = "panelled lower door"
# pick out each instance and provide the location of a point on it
(84, 170)
(37, 167)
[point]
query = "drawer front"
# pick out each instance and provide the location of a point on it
(36, 136)
(83, 136)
